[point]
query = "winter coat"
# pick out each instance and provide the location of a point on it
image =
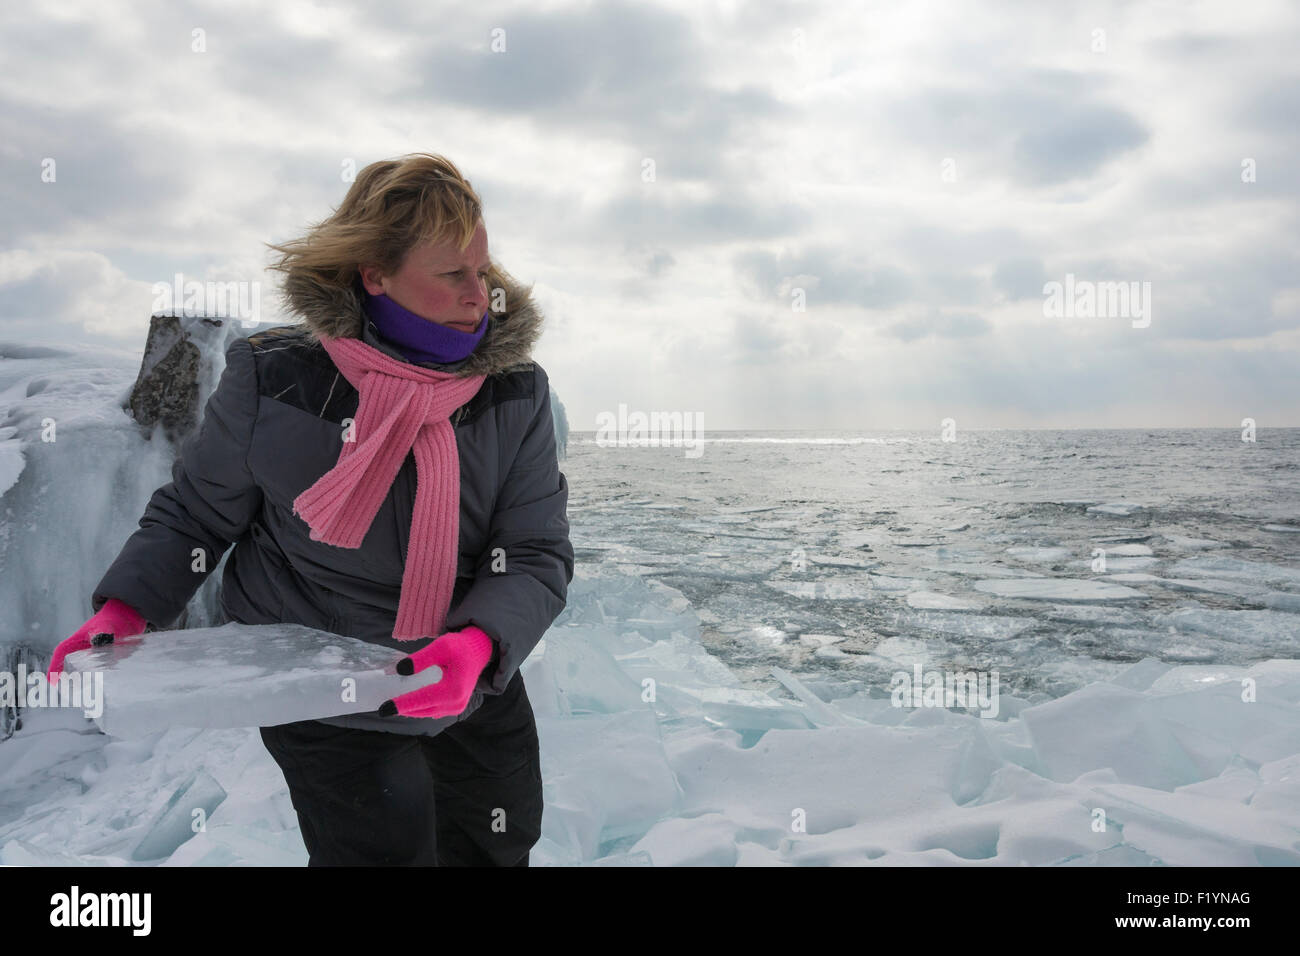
(275, 424)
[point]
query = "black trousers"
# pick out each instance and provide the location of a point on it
(469, 796)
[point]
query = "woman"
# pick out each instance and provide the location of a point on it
(345, 458)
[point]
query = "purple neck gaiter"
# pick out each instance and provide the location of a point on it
(418, 338)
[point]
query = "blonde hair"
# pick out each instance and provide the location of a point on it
(393, 205)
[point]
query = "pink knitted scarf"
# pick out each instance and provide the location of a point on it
(402, 407)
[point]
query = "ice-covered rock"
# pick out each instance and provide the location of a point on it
(184, 357)
(560, 421)
(76, 471)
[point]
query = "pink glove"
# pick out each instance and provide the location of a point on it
(462, 655)
(114, 620)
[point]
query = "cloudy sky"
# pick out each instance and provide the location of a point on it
(853, 214)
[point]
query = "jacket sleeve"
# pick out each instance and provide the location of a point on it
(210, 502)
(516, 605)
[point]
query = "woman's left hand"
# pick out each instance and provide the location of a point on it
(462, 655)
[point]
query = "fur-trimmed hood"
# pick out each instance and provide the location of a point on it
(327, 310)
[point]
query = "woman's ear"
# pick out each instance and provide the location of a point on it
(372, 279)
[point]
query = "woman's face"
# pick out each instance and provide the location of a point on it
(439, 282)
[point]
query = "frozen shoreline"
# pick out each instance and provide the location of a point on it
(823, 770)
(1177, 766)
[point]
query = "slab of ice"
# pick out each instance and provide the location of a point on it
(1118, 536)
(604, 776)
(1223, 566)
(1058, 589)
(989, 570)
(685, 679)
(859, 539)
(11, 457)
(1092, 614)
(1153, 642)
(1121, 508)
(1282, 601)
(1150, 741)
(585, 676)
(767, 635)
(933, 600)
(902, 650)
(1241, 589)
(1273, 630)
(985, 626)
(820, 640)
(1038, 555)
(1117, 563)
(176, 821)
(642, 608)
(844, 587)
(825, 561)
(1290, 528)
(1184, 543)
(240, 675)
(1068, 674)
(1140, 676)
(819, 713)
(1126, 550)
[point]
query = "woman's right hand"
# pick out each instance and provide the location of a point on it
(114, 620)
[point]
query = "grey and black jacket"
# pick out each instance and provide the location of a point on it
(274, 425)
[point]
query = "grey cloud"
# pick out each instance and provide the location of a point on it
(650, 218)
(623, 69)
(941, 325)
(1040, 127)
(101, 172)
(1020, 278)
(839, 282)
(1074, 143)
